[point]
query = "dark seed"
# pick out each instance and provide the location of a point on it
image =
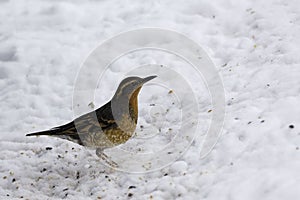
(130, 194)
(131, 187)
(48, 148)
(291, 126)
(13, 180)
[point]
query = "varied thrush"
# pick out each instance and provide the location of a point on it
(110, 125)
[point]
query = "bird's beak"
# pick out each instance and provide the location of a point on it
(148, 79)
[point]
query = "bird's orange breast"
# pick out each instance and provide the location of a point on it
(133, 103)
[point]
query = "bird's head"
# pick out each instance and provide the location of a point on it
(131, 86)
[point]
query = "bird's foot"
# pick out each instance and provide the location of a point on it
(106, 159)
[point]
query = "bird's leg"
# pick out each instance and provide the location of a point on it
(104, 157)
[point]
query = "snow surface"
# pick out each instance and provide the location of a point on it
(255, 46)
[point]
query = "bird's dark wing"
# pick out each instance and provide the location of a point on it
(105, 116)
(95, 121)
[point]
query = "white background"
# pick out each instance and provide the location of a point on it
(255, 46)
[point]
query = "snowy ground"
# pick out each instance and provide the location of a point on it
(255, 46)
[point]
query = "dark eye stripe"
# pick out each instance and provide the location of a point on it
(123, 86)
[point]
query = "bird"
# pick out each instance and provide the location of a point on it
(111, 125)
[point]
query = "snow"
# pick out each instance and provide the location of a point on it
(255, 47)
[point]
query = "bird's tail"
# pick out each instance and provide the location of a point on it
(48, 132)
(67, 131)
(57, 131)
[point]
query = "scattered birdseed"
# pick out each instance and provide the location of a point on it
(130, 194)
(43, 170)
(91, 105)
